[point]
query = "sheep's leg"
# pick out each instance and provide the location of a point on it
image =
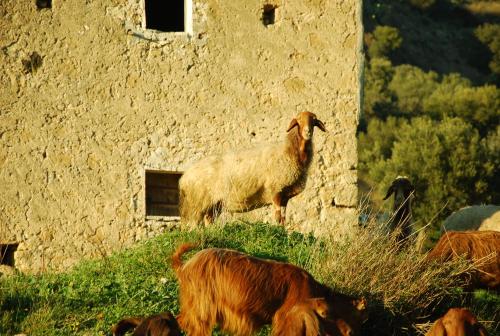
(284, 202)
(212, 213)
(280, 201)
(208, 218)
(277, 207)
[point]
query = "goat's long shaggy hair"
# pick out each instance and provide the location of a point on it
(163, 324)
(241, 293)
(481, 247)
(457, 321)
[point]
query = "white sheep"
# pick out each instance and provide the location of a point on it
(246, 180)
(401, 219)
(475, 217)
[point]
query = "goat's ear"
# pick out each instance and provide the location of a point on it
(293, 123)
(360, 304)
(412, 187)
(390, 191)
(318, 123)
(319, 305)
(482, 331)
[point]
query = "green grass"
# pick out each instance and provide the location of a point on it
(90, 298)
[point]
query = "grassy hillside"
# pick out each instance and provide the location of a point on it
(403, 293)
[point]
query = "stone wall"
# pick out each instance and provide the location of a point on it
(106, 99)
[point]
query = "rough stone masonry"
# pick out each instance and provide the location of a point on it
(93, 98)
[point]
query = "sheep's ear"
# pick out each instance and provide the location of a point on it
(293, 123)
(390, 191)
(318, 123)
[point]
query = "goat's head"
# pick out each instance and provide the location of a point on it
(306, 121)
(345, 317)
(402, 189)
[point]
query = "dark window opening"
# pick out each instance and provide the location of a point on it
(166, 16)
(41, 4)
(268, 14)
(162, 193)
(7, 254)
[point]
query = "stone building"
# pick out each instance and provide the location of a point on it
(104, 104)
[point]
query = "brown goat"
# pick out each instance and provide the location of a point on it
(242, 293)
(163, 324)
(457, 322)
(312, 318)
(249, 179)
(302, 319)
(478, 246)
(401, 220)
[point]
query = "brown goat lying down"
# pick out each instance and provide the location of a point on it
(457, 322)
(482, 246)
(242, 293)
(163, 324)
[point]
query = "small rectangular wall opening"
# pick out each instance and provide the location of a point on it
(268, 14)
(162, 193)
(7, 253)
(165, 15)
(42, 4)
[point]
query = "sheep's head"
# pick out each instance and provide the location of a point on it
(402, 189)
(306, 121)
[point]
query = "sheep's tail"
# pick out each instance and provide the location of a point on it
(125, 325)
(177, 256)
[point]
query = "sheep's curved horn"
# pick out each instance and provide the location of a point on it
(390, 191)
(318, 123)
(293, 123)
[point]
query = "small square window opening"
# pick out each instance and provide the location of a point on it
(162, 193)
(7, 254)
(165, 16)
(268, 14)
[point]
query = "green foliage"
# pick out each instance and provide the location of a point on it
(412, 86)
(376, 143)
(489, 34)
(385, 39)
(447, 161)
(455, 98)
(378, 99)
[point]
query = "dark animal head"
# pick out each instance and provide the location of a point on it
(345, 315)
(402, 189)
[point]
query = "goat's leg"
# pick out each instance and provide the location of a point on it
(194, 325)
